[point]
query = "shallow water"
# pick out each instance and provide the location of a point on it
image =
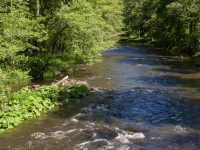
(150, 101)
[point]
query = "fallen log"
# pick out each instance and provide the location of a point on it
(70, 82)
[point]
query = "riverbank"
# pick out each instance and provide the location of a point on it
(173, 50)
(147, 92)
(33, 101)
(134, 39)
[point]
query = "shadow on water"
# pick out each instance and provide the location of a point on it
(140, 104)
(163, 121)
(151, 102)
(169, 81)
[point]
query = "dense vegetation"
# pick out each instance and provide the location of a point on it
(30, 103)
(25, 104)
(41, 38)
(174, 24)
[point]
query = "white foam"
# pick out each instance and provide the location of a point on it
(100, 143)
(94, 135)
(58, 135)
(123, 148)
(83, 144)
(155, 138)
(179, 129)
(74, 120)
(135, 136)
(122, 139)
(70, 131)
(150, 91)
(101, 140)
(78, 115)
(129, 135)
(92, 124)
(39, 135)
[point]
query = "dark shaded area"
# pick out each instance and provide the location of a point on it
(147, 92)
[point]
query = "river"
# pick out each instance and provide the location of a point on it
(150, 101)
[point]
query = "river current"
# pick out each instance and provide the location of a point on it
(150, 100)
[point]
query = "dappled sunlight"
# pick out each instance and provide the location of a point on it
(143, 102)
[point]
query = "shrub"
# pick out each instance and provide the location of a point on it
(26, 104)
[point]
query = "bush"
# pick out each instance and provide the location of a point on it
(11, 75)
(26, 104)
(30, 103)
(76, 91)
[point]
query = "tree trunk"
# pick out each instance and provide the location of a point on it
(50, 46)
(190, 27)
(38, 7)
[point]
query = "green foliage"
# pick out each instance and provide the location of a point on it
(11, 75)
(5, 95)
(76, 91)
(83, 29)
(41, 38)
(134, 39)
(25, 104)
(172, 24)
(50, 35)
(19, 31)
(46, 66)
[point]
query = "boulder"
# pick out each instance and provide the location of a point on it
(70, 82)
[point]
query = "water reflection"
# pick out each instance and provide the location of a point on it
(150, 101)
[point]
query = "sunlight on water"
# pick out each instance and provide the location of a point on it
(149, 101)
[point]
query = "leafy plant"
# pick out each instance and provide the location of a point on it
(26, 104)
(75, 91)
(15, 76)
(172, 24)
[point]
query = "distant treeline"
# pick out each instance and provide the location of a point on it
(174, 24)
(40, 38)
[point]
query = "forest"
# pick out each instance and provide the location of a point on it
(40, 39)
(172, 24)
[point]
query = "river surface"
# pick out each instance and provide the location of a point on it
(150, 101)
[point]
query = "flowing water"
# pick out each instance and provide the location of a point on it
(150, 101)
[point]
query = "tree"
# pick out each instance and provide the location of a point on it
(85, 28)
(52, 34)
(18, 32)
(173, 24)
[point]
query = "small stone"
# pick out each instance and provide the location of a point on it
(36, 86)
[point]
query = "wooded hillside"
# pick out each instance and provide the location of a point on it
(174, 24)
(43, 37)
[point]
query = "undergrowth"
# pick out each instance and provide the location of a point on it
(28, 103)
(11, 75)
